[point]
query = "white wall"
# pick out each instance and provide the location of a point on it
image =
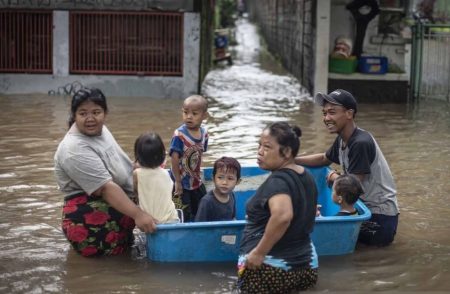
(342, 23)
(322, 45)
(60, 43)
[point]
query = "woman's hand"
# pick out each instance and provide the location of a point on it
(117, 198)
(145, 222)
(254, 260)
(281, 214)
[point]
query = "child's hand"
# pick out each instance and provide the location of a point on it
(178, 189)
(136, 165)
(318, 210)
(178, 202)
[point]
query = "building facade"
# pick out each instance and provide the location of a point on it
(125, 47)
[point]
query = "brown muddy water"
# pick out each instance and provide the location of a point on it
(35, 257)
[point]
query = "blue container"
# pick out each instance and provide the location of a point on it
(219, 241)
(196, 242)
(221, 41)
(373, 64)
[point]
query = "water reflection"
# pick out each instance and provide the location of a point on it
(35, 257)
(244, 98)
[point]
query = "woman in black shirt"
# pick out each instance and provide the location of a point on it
(276, 252)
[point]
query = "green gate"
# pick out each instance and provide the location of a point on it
(430, 62)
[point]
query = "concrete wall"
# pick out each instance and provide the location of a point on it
(169, 5)
(112, 85)
(322, 45)
(391, 90)
(289, 29)
(60, 43)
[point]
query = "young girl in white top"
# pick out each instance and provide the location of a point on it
(152, 183)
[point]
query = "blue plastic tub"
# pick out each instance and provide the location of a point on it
(219, 241)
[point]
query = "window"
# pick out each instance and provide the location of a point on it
(26, 41)
(131, 43)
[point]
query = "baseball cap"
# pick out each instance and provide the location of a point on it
(337, 97)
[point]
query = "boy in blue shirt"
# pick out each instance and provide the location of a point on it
(188, 143)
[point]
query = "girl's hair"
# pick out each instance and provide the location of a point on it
(348, 187)
(287, 136)
(83, 95)
(149, 150)
(227, 164)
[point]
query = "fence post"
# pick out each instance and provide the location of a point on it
(412, 76)
(416, 60)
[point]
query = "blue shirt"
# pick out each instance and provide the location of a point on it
(190, 151)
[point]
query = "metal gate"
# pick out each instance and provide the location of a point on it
(430, 62)
(142, 43)
(26, 41)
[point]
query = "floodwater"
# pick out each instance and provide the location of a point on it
(35, 257)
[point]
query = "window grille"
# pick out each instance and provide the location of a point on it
(26, 41)
(130, 43)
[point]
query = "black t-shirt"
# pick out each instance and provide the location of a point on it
(362, 155)
(294, 247)
(360, 152)
(210, 209)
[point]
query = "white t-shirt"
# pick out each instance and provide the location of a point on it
(155, 194)
(85, 163)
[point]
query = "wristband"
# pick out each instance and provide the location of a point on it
(329, 181)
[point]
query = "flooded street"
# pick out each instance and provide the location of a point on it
(36, 258)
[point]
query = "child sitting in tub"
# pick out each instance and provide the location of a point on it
(346, 191)
(152, 183)
(219, 204)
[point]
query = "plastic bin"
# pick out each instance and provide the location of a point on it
(373, 65)
(219, 241)
(342, 65)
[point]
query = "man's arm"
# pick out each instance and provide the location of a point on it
(318, 159)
